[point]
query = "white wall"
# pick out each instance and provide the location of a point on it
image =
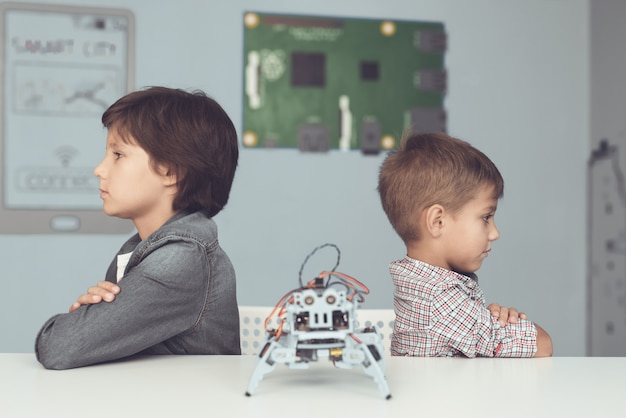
(518, 90)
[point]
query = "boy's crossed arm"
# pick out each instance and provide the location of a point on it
(511, 316)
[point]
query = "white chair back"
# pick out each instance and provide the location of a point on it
(382, 319)
(252, 328)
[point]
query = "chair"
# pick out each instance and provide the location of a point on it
(252, 326)
(382, 319)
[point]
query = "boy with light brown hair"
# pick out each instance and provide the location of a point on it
(440, 195)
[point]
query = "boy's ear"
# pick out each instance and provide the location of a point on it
(435, 215)
(169, 177)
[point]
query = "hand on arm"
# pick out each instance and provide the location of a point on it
(511, 316)
(110, 331)
(103, 291)
(505, 315)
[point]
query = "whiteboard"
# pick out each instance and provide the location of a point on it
(62, 67)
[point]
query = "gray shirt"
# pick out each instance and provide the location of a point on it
(178, 296)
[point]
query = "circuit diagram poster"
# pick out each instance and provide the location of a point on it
(323, 83)
(62, 67)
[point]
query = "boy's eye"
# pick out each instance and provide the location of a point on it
(486, 218)
(117, 155)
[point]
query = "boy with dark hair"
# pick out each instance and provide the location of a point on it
(170, 161)
(440, 195)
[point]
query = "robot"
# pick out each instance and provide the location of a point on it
(320, 320)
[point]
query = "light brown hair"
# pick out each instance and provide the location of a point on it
(428, 169)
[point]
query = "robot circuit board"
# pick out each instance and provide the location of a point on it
(321, 83)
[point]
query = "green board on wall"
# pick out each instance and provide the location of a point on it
(322, 83)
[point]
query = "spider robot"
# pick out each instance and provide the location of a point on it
(319, 319)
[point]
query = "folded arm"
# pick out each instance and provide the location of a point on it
(472, 329)
(156, 301)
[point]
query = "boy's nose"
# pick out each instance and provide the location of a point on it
(494, 234)
(98, 171)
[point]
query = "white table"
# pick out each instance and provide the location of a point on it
(214, 386)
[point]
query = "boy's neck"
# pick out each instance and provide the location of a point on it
(147, 225)
(471, 275)
(425, 255)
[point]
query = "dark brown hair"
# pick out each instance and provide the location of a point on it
(428, 169)
(189, 134)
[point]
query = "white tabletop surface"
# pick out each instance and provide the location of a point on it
(214, 386)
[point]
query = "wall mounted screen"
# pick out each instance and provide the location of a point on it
(61, 68)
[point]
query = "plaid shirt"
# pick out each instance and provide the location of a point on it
(442, 313)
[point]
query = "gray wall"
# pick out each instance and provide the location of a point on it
(518, 90)
(607, 200)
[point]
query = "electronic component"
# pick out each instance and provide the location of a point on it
(355, 80)
(317, 320)
(313, 137)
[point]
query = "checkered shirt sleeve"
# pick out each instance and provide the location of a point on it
(443, 313)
